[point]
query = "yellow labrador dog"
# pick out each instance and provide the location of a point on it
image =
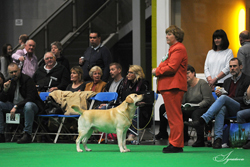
(115, 120)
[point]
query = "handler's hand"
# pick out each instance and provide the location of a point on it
(153, 71)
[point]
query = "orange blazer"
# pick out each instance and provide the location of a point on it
(172, 73)
(98, 88)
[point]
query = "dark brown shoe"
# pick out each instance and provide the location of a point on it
(217, 143)
(26, 138)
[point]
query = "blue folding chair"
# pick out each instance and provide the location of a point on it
(104, 97)
(44, 95)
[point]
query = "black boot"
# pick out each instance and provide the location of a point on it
(26, 138)
(199, 143)
(195, 124)
(161, 135)
(247, 145)
(217, 143)
(2, 138)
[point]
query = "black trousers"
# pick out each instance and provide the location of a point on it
(163, 120)
(195, 115)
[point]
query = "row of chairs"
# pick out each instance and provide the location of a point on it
(60, 119)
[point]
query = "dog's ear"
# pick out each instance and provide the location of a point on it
(77, 109)
(129, 99)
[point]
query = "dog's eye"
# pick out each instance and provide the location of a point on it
(135, 95)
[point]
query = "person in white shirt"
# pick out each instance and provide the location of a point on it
(216, 67)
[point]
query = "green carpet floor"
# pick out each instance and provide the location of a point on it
(102, 155)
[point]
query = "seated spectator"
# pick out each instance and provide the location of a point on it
(52, 76)
(115, 70)
(135, 83)
(226, 105)
(19, 95)
(56, 48)
(2, 80)
(97, 85)
(243, 116)
(198, 93)
(76, 79)
(6, 59)
(26, 58)
(115, 84)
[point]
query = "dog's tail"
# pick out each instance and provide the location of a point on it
(77, 109)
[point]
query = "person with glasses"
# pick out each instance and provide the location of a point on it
(95, 55)
(135, 83)
(216, 67)
(19, 95)
(26, 58)
(52, 76)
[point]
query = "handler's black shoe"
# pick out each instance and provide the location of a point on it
(26, 138)
(161, 135)
(172, 149)
(247, 146)
(217, 143)
(2, 138)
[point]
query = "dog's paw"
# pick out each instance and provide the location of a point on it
(123, 151)
(127, 150)
(79, 150)
(88, 149)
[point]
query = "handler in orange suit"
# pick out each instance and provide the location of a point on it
(172, 84)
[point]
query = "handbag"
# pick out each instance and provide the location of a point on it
(238, 134)
(51, 107)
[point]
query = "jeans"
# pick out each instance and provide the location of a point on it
(223, 106)
(29, 111)
(243, 116)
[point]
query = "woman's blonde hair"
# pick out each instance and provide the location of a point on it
(93, 69)
(79, 71)
(138, 71)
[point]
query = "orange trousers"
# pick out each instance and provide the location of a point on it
(172, 101)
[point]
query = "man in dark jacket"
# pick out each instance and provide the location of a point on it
(52, 76)
(19, 95)
(115, 84)
(95, 55)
